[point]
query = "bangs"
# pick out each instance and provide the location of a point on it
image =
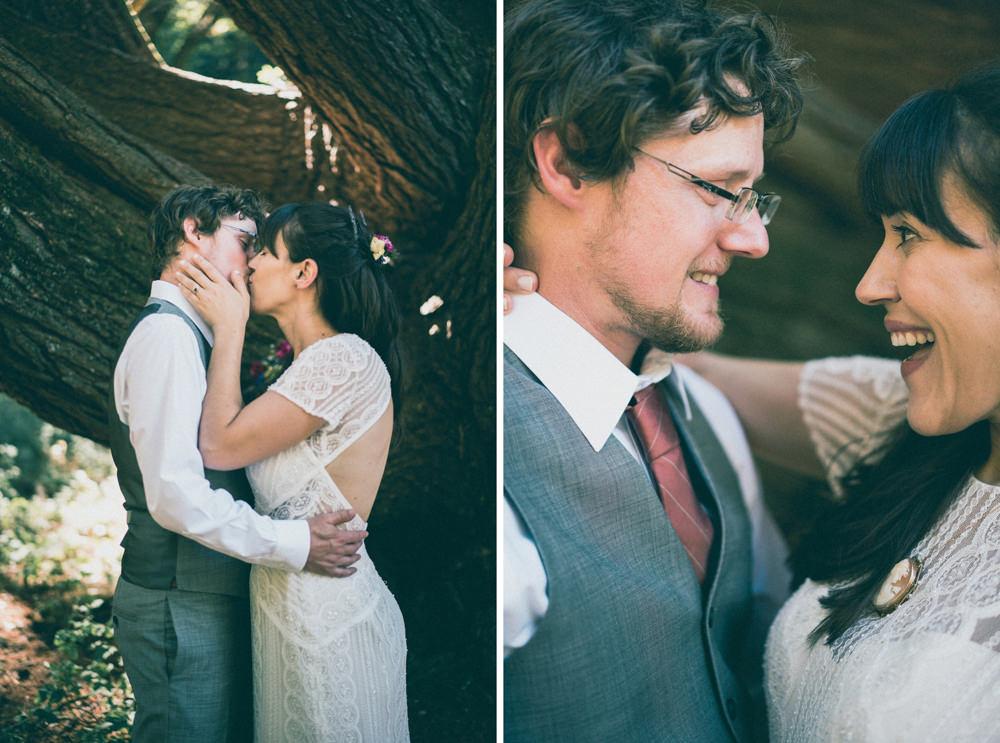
(902, 166)
(274, 225)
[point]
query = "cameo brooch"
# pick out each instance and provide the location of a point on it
(898, 586)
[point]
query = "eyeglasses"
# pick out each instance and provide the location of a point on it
(744, 201)
(250, 247)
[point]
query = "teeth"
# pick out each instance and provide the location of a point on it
(911, 338)
(705, 278)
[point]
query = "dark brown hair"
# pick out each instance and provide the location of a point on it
(354, 292)
(894, 496)
(207, 205)
(607, 75)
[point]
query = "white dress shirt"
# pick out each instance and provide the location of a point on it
(595, 396)
(159, 386)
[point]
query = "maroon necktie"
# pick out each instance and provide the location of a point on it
(666, 460)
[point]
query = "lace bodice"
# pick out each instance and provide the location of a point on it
(343, 381)
(329, 653)
(930, 671)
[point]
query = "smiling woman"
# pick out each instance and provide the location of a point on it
(912, 449)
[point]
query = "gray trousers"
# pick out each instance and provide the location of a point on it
(187, 656)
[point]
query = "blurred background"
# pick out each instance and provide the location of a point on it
(798, 303)
(105, 105)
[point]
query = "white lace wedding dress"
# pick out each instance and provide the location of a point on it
(329, 654)
(930, 671)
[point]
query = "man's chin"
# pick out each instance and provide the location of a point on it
(686, 337)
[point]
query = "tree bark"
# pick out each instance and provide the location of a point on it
(406, 135)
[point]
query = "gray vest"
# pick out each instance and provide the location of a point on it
(632, 647)
(156, 557)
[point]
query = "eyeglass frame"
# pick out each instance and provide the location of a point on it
(252, 250)
(770, 201)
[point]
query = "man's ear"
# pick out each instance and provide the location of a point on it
(306, 273)
(558, 177)
(191, 233)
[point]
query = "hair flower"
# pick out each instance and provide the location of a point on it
(381, 247)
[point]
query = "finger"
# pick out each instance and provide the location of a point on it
(339, 517)
(519, 281)
(338, 561)
(345, 560)
(342, 561)
(506, 303)
(239, 281)
(205, 265)
(346, 545)
(332, 571)
(187, 285)
(195, 273)
(508, 255)
(342, 572)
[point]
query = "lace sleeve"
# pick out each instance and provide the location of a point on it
(340, 379)
(850, 405)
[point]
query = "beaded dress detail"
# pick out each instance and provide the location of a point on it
(929, 671)
(329, 654)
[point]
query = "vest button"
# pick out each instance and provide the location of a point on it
(731, 707)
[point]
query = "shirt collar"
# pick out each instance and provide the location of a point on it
(588, 381)
(170, 293)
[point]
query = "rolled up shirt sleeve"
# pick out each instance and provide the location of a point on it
(159, 389)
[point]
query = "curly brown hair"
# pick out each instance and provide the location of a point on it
(607, 75)
(207, 205)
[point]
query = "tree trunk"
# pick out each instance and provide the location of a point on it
(94, 130)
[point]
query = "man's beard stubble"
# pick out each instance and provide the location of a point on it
(667, 329)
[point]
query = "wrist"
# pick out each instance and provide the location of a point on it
(230, 330)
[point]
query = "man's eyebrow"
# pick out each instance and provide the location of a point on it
(742, 175)
(725, 174)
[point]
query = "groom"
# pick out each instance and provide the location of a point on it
(634, 132)
(180, 612)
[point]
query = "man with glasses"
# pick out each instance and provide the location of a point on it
(634, 133)
(181, 614)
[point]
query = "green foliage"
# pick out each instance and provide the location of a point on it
(198, 36)
(59, 554)
(26, 441)
(87, 697)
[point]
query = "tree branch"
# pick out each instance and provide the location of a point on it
(398, 83)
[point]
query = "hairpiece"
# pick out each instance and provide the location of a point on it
(354, 223)
(381, 247)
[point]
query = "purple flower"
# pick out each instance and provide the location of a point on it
(284, 348)
(256, 369)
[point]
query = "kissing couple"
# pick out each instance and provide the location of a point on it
(246, 521)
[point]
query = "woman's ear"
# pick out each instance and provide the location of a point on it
(306, 273)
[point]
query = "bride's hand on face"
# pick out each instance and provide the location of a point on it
(222, 303)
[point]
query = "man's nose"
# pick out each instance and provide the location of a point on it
(878, 285)
(748, 239)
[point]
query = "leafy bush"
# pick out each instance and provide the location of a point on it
(59, 554)
(27, 441)
(87, 697)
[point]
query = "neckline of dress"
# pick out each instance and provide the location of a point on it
(976, 482)
(320, 340)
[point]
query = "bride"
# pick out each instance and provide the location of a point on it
(896, 633)
(329, 654)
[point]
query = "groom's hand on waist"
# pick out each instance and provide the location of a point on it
(333, 550)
